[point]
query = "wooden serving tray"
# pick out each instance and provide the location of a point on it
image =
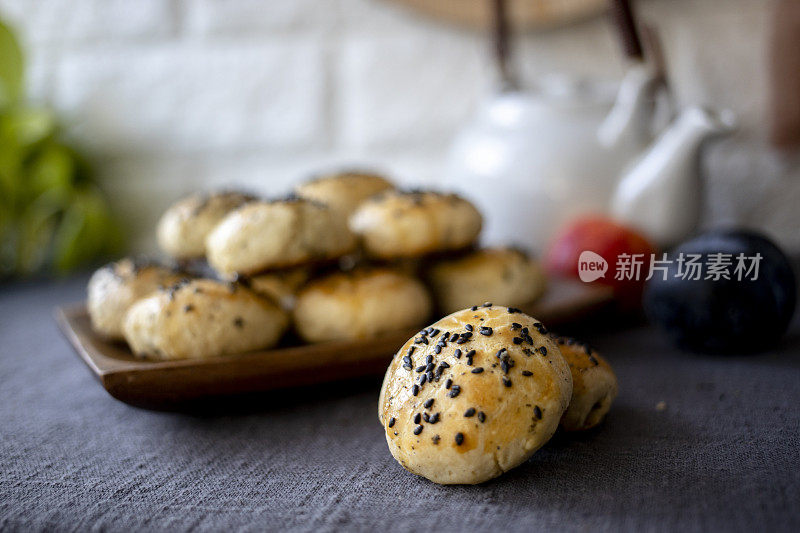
(166, 383)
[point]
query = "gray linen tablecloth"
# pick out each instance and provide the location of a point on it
(724, 453)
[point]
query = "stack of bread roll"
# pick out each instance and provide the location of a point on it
(347, 256)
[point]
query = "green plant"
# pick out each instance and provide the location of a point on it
(53, 216)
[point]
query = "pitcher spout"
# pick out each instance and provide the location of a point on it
(660, 194)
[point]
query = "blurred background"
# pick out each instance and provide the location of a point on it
(167, 97)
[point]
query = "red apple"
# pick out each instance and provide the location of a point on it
(621, 247)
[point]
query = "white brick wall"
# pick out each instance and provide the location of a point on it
(191, 96)
(174, 95)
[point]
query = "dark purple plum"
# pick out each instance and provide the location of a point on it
(724, 316)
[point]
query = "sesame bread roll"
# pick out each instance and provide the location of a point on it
(343, 191)
(114, 288)
(279, 234)
(473, 395)
(398, 224)
(500, 275)
(203, 318)
(594, 385)
(182, 230)
(360, 304)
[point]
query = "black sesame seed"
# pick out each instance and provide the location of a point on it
(527, 373)
(506, 382)
(428, 404)
(422, 380)
(455, 391)
(428, 367)
(448, 383)
(428, 359)
(469, 412)
(391, 422)
(437, 349)
(430, 376)
(486, 330)
(517, 340)
(407, 360)
(516, 325)
(444, 364)
(459, 438)
(420, 368)
(468, 327)
(426, 417)
(434, 332)
(481, 416)
(471, 354)
(504, 366)
(477, 370)
(457, 353)
(411, 350)
(415, 390)
(487, 304)
(436, 439)
(537, 412)
(417, 418)
(474, 308)
(417, 430)
(433, 418)
(513, 310)
(542, 350)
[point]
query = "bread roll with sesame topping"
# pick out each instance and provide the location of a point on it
(500, 275)
(278, 234)
(183, 228)
(203, 318)
(473, 395)
(398, 224)
(594, 385)
(116, 286)
(360, 304)
(343, 191)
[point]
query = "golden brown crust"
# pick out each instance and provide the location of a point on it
(202, 318)
(280, 234)
(501, 275)
(594, 385)
(183, 228)
(497, 395)
(398, 224)
(343, 191)
(114, 288)
(360, 304)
